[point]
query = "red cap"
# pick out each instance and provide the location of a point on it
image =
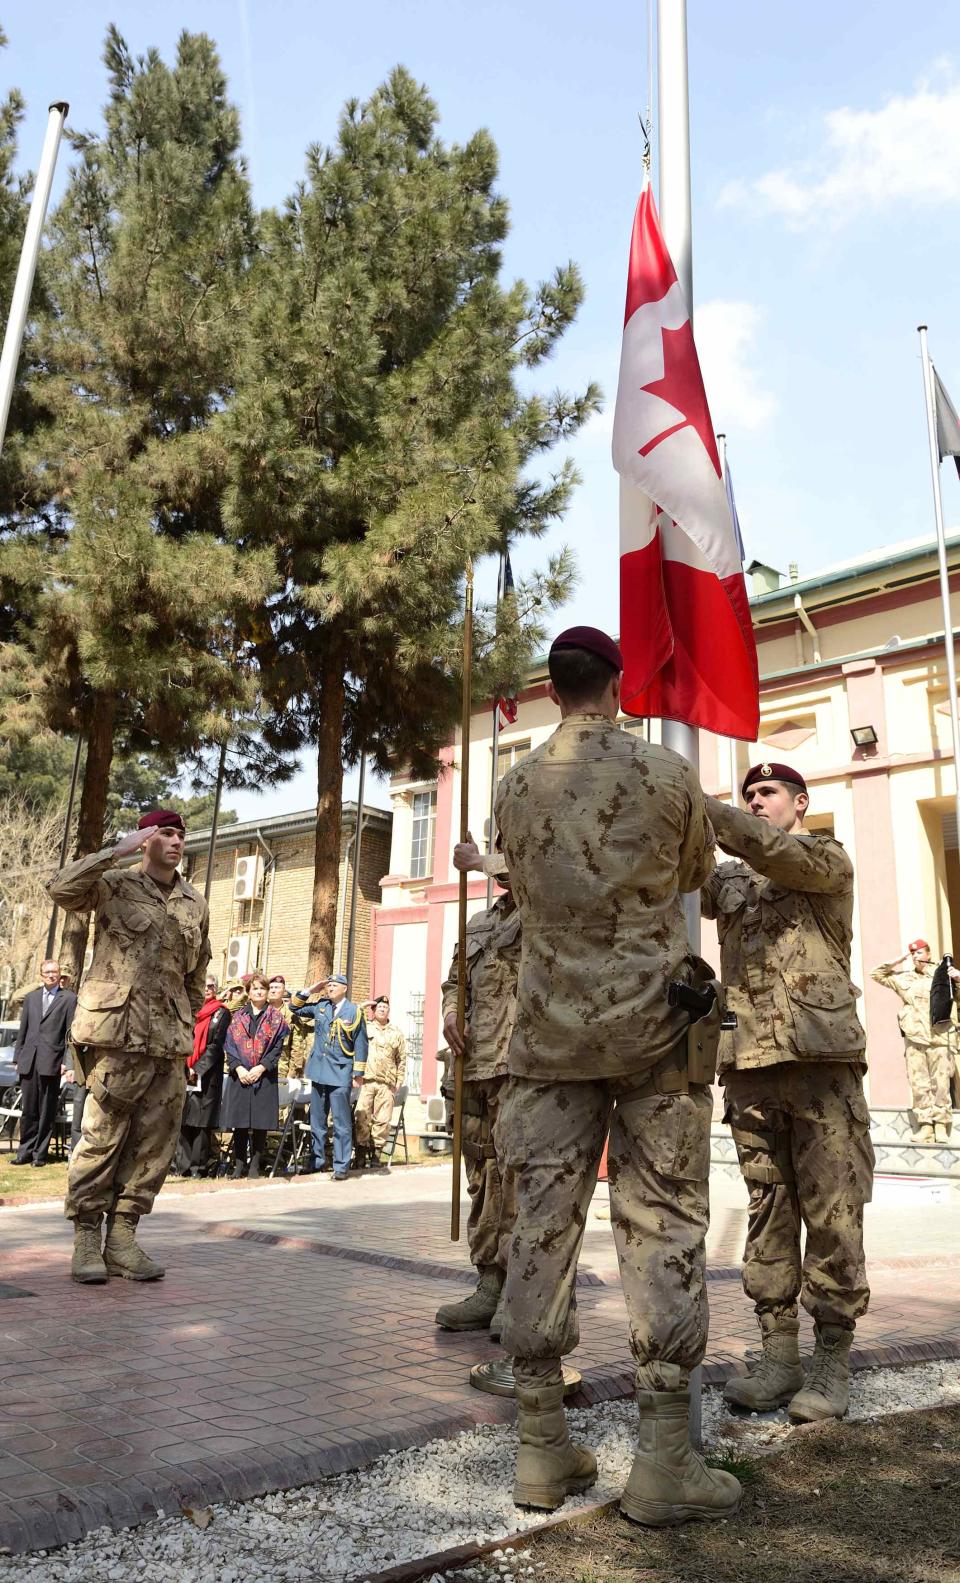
(163, 819)
(918, 945)
(593, 641)
(769, 771)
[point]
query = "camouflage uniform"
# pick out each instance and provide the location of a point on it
(296, 1050)
(134, 1019)
(793, 1067)
(382, 1076)
(928, 1051)
(602, 832)
(493, 961)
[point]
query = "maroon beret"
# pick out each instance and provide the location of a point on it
(594, 641)
(163, 819)
(769, 771)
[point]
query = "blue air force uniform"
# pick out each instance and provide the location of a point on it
(339, 1055)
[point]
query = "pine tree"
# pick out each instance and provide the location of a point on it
(379, 438)
(131, 612)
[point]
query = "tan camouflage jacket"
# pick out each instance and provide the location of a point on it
(601, 832)
(913, 989)
(297, 1047)
(785, 920)
(493, 962)
(145, 984)
(386, 1054)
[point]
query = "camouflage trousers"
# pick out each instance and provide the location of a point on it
(373, 1114)
(929, 1070)
(490, 1183)
(552, 1135)
(802, 1132)
(131, 1123)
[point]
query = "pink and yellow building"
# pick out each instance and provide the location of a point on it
(858, 648)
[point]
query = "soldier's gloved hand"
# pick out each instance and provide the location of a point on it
(467, 855)
(452, 1034)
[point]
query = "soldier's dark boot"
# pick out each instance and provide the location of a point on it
(477, 1310)
(826, 1393)
(550, 1466)
(669, 1481)
(777, 1376)
(87, 1264)
(123, 1255)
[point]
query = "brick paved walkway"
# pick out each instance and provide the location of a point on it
(293, 1337)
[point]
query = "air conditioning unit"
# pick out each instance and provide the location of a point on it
(239, 951)
(248, 878)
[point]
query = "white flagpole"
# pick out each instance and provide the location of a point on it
(491, 836)
(673, 151)
(948, 646)
(731, 741)
(26, 269)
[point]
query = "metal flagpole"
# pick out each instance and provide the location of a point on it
(355, 876)
(731, 741)
(26, 269)
(501, 588)
(948, 646)
(462, 909)
(673, 152)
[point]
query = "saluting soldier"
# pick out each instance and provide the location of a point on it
(793, 1078)
(602, 832)
(493, 962)
(336, 1065)
(927, 1050)
(134, 1022)
(382, 1076)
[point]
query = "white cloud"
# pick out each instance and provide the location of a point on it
(906, 152)
(726, 335)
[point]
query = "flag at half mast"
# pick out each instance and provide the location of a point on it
(948, 424)
(685, 628)
(506, 708)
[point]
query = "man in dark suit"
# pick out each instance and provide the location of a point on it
(39, 1055)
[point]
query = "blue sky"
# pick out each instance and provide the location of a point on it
(826, 189)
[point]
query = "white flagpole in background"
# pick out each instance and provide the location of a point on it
(948, 646)
(26, 269)
(673, 153)
(492, 834)
(731, 741)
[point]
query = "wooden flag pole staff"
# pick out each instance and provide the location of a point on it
(462, 910)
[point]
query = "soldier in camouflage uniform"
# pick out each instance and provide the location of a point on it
(602, 832)
(793, 1079)
(928, 1051)
(493, 961)
(382, 1076)
(134, 1023)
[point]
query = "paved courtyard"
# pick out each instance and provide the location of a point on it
(293, 1337)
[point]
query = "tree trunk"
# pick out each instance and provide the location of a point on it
(326, 851)
(90, 824)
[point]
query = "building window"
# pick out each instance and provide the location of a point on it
(637, 726)
(509, 754)
(424, 826)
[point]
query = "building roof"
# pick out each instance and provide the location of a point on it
(285, 824)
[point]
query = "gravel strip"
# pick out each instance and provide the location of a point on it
(418, 1502)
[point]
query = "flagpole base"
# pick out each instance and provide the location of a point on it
(496, 1378)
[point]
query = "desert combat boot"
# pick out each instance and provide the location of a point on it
(777, 1376)
(123, 1255)
(477, 1310)
(87, 1264)
(550, 1466)
(826, 1393)
(669, 1481)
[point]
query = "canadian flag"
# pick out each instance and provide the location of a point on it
(685, 628)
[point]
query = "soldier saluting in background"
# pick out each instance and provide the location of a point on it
(793, 1078)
